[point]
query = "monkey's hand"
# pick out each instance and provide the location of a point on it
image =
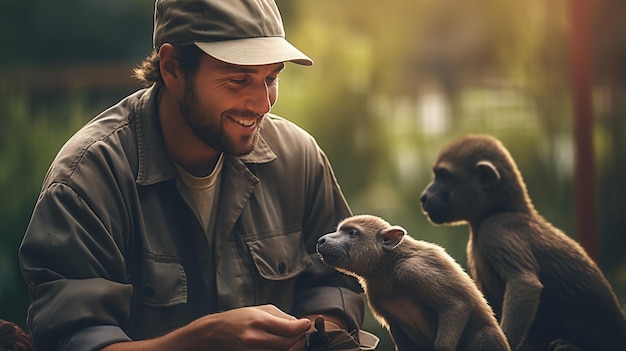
(562, 345)
(320, 338)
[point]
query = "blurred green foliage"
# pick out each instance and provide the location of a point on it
(392, 83)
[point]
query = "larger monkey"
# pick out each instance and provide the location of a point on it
(543, 287)
(414, 288)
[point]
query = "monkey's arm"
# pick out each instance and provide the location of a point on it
(507, 249)
(401, 339)
(521, 301)
(452, 321)
(441, 285)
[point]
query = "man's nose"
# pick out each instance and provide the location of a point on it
(260, 99)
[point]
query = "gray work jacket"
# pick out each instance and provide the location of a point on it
(114, 253)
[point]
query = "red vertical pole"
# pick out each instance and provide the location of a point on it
(583, 127)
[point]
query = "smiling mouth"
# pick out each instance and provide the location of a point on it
(244, 122)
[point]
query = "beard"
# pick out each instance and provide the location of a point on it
(212, 132)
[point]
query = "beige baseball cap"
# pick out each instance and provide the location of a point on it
(241, 32)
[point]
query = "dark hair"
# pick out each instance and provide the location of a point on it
(149, 72)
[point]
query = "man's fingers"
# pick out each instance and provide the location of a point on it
(275, 311)
(283, 324)
(289, 327)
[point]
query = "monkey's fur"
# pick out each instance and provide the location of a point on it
(545, 290)
(13, 338)
(414, 288)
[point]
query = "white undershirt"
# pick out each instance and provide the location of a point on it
(199, 192)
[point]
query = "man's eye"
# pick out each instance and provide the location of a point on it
(238, 81)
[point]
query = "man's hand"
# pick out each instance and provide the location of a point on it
(259, 328)
(248, 328)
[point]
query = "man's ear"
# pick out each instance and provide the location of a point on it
(392, 237)
(170, 72)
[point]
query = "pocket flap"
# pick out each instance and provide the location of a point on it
(164, 283)
(279, 257)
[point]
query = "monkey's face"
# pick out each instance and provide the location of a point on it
(437, 198)
(474, 177)
(457, 193)
(333, 248)
(359, 244)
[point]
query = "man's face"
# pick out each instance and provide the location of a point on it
(224, 104)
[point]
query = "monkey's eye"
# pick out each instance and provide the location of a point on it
(442, 175)
(353, 233)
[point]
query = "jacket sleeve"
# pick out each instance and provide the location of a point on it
(85, 286)
(322, 288)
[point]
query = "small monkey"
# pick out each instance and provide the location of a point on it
(414, 288)
(546, 291)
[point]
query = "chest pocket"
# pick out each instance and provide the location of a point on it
(161, 294)
(163, 283)
(279, 257)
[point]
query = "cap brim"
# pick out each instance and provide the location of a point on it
(255, 51)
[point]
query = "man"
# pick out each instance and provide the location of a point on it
(185, 217)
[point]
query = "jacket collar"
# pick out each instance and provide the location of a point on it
(155, 164)
(262, 152)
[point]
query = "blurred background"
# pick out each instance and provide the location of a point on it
(393, 82)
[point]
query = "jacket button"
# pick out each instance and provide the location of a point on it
(282, 267)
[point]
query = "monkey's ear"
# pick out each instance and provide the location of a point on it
(489, 174)
(392, 237)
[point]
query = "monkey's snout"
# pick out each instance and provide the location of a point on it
(424, 204)
(320, 242)
(327, 251)
(423, 199)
